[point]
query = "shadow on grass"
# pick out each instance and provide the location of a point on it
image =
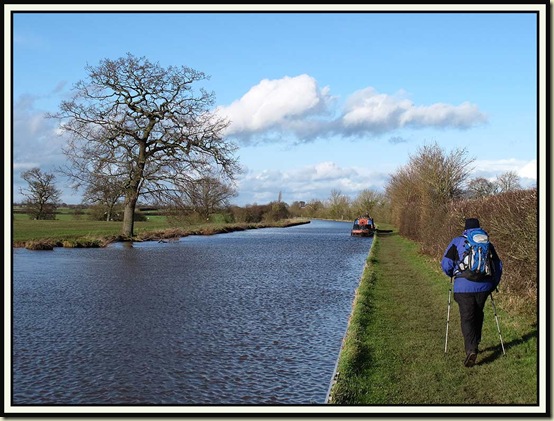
(497, 350)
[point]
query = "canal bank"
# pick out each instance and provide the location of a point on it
(393, 350)
(80, 238)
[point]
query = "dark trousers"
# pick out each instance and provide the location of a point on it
(472, 315)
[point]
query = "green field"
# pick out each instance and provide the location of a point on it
(68, 226)
(70, 230)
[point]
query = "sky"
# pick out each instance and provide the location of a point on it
(320, 101)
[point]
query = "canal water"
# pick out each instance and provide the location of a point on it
(248, 318)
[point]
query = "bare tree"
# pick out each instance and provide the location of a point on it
(481, 187)
(339, 205)
(404, 197)
(421, 191)
(206, 195)
(439, 175)
(366, 201)
(314, 208)
(135, 119)
(105, 191)
(41, 195)
(508, 181)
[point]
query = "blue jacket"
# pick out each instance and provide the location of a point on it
(452, 257)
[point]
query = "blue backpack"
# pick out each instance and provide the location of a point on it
(475, 263)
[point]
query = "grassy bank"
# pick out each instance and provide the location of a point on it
(43, 235)
(393, 353)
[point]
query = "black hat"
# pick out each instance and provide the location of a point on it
(472, 223)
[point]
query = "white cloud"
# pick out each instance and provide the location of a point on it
(324, 171)
(371, 111)
(35, 136)
(529, 170)
(489, 169)
(275, 104)
(298, 107)
(36, 144)
(306, 183)
(461, 116)
(368, 110)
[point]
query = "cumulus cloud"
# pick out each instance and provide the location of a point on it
(369, 111)
(276, 105)
(298, 107)
(461, 116)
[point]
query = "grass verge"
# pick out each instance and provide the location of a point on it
(394, 348)
(45, 235)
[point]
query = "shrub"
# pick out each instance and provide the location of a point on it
(511, 220)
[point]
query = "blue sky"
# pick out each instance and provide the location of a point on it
(318, 101)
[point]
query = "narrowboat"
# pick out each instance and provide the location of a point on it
(363, 227)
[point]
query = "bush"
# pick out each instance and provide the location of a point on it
(511, 220)
(276, 211)
(250, 214)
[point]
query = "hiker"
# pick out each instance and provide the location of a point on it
(471, 295)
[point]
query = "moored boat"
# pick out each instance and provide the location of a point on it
(363, 227)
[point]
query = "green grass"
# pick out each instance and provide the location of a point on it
(394, 347)
(68, 231)
(66, 228)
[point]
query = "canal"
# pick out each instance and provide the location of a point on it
(246, 318)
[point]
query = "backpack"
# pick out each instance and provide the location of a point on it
(475, 263)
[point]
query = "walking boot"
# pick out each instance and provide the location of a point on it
(471, 357)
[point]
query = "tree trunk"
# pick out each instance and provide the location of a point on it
(132, 194)
(129, 214)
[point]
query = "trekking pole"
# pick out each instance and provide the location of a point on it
(448, 317)
(498, 325)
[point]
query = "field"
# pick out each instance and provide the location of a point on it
(70, 230)
(69, 226)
